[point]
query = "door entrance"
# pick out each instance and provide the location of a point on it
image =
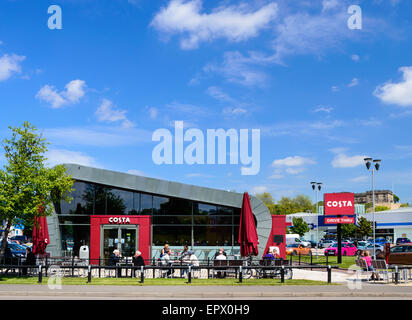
(123, 238)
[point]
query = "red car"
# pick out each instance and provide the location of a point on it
(348, 249)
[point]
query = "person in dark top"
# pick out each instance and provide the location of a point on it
(114, 258)
(137, 259)
(30, 260)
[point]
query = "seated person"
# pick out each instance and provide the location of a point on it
(368, 260)
(269, 255)
(221, 256)
(220, 252)
(114, 258)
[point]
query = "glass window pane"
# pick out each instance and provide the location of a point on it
(174, 236)
(74, 219)
(119, 201)
(212, 235)
(73, 237)
(204, 209)
(212, 220)
(82, 203)
(146, 203)
(100, 206)
(136, 203)
(160, 205)
(225, 211)
(172, 220)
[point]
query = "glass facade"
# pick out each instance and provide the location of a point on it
(175, 221)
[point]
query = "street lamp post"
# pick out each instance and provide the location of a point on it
(368, 163)
(319, 186)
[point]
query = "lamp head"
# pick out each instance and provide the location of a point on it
(377, 164)
(313, 185)
(368, 162)
(319, 185)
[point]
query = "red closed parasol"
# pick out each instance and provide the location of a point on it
(40, 235)
(248, 237)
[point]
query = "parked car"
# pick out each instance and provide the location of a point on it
(326, 243)
(295, 249)
(402, 240)
(19, 238)
(362, 245)
(369, 247)
(312, 244)
(400, 255)
(17, 250)
(347, 249)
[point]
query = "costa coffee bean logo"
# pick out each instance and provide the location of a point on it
(119, 220)
(339, 203)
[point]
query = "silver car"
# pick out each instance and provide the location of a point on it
(378, 249)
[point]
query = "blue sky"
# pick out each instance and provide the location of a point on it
(324, 96)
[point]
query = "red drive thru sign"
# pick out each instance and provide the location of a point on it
(340, 205)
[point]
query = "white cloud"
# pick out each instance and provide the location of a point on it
(341, 160)
(397, 93)
(360, 179)
(353, 83)
(218, 94)
(107, 113)
(323, 109)
(335, 88)
(60, 156)
(136, 172)
(234, 23)
(240, 69)
(75, 90)
(234, 111)
(295, 161)
(153, 112)
(10, 64)
(329, 4)
(258, 189)
(98, 136)
(355, 57)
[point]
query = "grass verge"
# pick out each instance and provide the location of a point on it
(163, 282)
(321, 260)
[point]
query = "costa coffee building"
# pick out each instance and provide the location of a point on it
(112, 210)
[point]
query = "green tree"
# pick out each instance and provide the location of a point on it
(348, 230)
(27, 187)
(266, 198)
(395, 198)
(364, 227)
(299, 226)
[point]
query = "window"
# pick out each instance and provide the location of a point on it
(82, 203)
(146, 204)
(397, 249)
(73, 237)
(160, 205)
(167, 220)
(119, 201)
(172, 235)
(212, 235)
(204, 209)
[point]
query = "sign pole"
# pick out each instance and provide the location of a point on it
(339, 235)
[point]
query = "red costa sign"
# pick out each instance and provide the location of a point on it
(339, 203)
(340, 220)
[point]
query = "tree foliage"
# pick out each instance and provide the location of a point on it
(364, 227)
(28, 187)
(299, 226)
(287, 205)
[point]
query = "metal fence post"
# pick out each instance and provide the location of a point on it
(73, 265)
(240, 274)
(327, 259)
(396, 275)
(100, 269)
(299, 257)
(89, 274)
(329, 274)
(282, 274)
(141, 274)
(189, 275)
(40, 274)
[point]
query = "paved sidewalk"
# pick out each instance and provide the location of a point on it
(368, 291)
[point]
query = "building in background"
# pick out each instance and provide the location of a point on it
(113, 210)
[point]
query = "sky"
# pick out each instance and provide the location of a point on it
(323, 94)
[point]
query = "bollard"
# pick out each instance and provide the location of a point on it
(89, 274)
(240, 274)
(141, 274)
(40, 274)
(329, 274)
(282, 274)
(396, 275)
(327, 259)
(189, 275)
